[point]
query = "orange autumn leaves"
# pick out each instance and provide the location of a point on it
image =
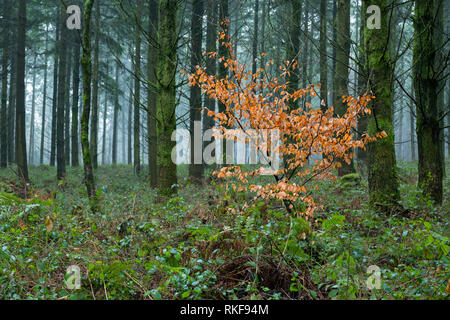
(262, 101)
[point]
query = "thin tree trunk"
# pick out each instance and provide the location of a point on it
(333, 66)
(362, 87)
(95, 82)
(44, 102)
(55, 91)
(413, 134)
(12, 108)
(323, 56)
(60, 156)
(105, 116)
(115, 117)
(222, 70)
(75, 98)
(21, 143)
(255, 37)
(4, 93)
(152, 61)
(195, 103)
(130, 132)
(137, 96)
(67, 101)
(33, 109)
(86, 71)
(293, 46)
(211, 64)
(341, 74)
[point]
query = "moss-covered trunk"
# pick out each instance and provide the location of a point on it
(166, 101)
(85, 116)
(382, 173)
(427, 110)
(95, 82)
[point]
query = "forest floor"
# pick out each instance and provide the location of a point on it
(190, 247)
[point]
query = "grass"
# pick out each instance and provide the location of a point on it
(191, 247)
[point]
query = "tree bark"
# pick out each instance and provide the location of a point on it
(196, 169)
(341, 73)
(211, 63)
(86, 71)
(166, 103)
(33, 109)
(152, 61)
(55, 91)
(4, 93)
(95, 82)
(137, 95)
(222, 70)
(44, 102)
(427, 110)
(21, 143)
(323, 56)
(115, 117)
(60, 156)
(382, 172)
(75, 97)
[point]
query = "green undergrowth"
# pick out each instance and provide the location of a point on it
(192, 247)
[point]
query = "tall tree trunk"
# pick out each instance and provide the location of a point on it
(362, 87)
(382, 172)
(105, 116)
(137, 95)
(412, 129)
(211, 64)
(323, 56)
(115, 117)
(196, 168)
(44, 102)
(222, 72)
(75, 97)
(263, 33)
(439, 62)
(427, 110)
(124, 154)
(152, 61)
(86, 71)
(333, 65)
(341, 73)
(166, 103)
(130, 133)
(60, 156)
(12, 107)
(67, 101)
(21, 143)
(95, 82)
(55, 90)
(255, 37)
(33, 109)
(305, 48)
(4, 94)
(293, 46)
